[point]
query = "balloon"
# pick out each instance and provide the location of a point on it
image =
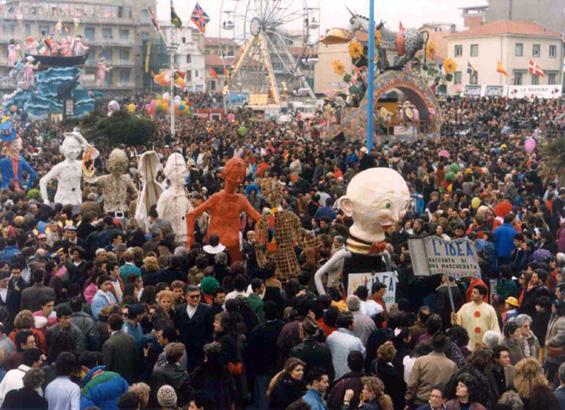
(450, 176)
(475, 203)
(160, 107)
(113, 106)
(530, 145)
(503, 208)
(231, 117)
(444, 153)
(132, 107)
(166, 96)
(454, 168)
(177, 99)
(242, 131)
(182, 107)
(165, 105)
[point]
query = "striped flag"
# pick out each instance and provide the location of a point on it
(500, 69)
(213, 73)
(470, 69)
(200, 18)
(175, 19)
(535, 69)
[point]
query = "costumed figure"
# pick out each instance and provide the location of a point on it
(68, 173)
(101, 72)
(225, 208)
(149, 166)
(278, 232)
(376, 199)
(31, 46)
(78, 47)
(13, 49)
(13, 165)
(29, 68)
(173, 204)
(17, 73)
(116, 185)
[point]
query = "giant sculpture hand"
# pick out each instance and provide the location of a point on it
(68, 173)
(225, 208)
(173, 204)
(376, 199)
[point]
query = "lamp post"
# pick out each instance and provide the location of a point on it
(371, 78)
(172, 49)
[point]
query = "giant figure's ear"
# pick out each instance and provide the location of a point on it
(346, 205)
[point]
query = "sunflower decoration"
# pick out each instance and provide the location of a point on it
(338, 67)
(430, 50)
(355, 50)
(449, 66)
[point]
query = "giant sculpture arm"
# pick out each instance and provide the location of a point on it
(249, 210)
(44, 181)
(332, 264)
(195, 213)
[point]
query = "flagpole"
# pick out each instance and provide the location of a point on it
(371, 78)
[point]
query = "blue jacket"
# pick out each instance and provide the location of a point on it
(102, 389)
(8, 253)
(8, 173)
(504, 240)
(314, 400)
(560, 395)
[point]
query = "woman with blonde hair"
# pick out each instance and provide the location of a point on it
(166, 306)
(528, 373)
(287, 385)
(373, 396)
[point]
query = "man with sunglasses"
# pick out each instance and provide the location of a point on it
(195, 324)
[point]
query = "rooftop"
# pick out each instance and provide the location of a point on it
(507, 27)
(217, 41)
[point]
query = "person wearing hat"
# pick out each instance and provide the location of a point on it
(167, 397)
(213, 248)
(311, 351)
(511, 306)
(366, 160)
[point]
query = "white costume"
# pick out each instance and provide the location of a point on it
(149, 166)
(69, 172)
(173, 205)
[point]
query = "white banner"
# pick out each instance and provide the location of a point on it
(472, 90)
(367, 279)
(534, 91)
(432, 255)
(494, 91)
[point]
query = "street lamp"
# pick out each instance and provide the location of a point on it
(172, 49)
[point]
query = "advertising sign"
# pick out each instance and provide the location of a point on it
(367, 279)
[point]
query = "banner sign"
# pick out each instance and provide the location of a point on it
(473, 91)
(258, 99)
(433, 255)
(367, 279)
(494, 91)
(534, 91)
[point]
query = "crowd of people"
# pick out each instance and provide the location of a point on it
(98, 312)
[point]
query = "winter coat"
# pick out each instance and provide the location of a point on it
(102, 389)
(285, 392)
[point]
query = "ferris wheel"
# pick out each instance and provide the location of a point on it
(276, 47)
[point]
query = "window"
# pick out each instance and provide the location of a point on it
(109, 77)
(120, 12)
(188, 59)
(195, 73)
(458, 51)
(277, 66)
(27, 29)
(519, 77)
(124, 34)
(457, 77)
(8, 29)
(474, 50)
(474, 78)
(107, 54)
(188, 77)
(212, 85)
(553, 51)
(124, 55)
(43, 30)
(124, 77)
(89, 33)
(107, 33)
(536, 50)
(535, 80)
(519, 49)
(145, 16)
(144, 35)
(552, 78)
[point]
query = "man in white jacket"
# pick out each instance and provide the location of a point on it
(13, 380)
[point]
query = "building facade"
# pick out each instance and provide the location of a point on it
(118, 30)
(549, 13)
(513, 44)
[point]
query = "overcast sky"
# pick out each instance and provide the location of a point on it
(412, 13)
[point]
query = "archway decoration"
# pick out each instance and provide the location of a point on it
(354, 121)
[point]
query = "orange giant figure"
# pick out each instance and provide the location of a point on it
(225, 208)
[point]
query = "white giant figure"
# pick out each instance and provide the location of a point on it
(173, 205)
(148, 166)
(376, 199)
(69, 172)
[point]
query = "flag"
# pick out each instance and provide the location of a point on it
(535, 69)
(500, 69)
(470, 69)
(175, 19)
(153, 18)
(148, 56)
(200, 18)
(213, 73)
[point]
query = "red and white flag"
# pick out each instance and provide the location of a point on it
(534, 68)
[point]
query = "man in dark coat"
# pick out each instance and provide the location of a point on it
(27, 397)
(32, 296)
(120, 350)
(195, 324)
(172, 373)
(312, 352)
(351, 380)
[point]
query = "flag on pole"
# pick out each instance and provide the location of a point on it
(213, 73)
(153, 18)
(147, 56)
(200, 18)
(535, 69)
(500, 69)
(175, 19)
(470, 69)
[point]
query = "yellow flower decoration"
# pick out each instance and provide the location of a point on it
(355, 49)
(338, 67)
(430, 50)
(449, 66)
